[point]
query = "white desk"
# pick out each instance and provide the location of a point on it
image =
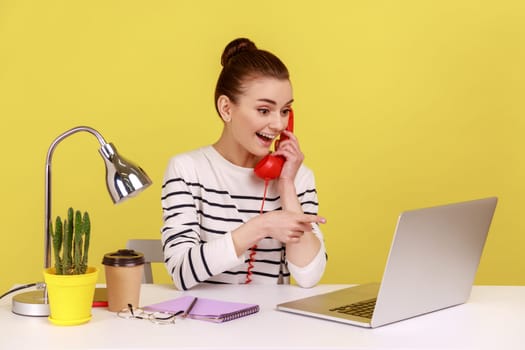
(494, 318)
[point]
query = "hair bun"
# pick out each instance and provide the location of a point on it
(234, 48)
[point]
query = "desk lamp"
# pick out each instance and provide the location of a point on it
(123, 178)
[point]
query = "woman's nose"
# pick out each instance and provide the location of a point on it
(277, 122)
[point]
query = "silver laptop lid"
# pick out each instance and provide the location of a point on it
(433, 260)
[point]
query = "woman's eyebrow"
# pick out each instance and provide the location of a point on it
(267, 100)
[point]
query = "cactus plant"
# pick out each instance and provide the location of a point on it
(71, 243)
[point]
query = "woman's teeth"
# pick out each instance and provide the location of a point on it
(265, 136)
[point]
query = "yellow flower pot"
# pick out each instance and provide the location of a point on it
(70, 296)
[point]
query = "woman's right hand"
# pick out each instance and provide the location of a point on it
(286, 226)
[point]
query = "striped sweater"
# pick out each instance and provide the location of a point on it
(205, 198)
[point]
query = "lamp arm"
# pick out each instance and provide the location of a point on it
(47, 211)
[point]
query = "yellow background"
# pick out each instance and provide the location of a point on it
(399, 105)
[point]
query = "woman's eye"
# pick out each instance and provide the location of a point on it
(263, 110)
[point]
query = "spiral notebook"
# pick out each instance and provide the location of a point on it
(212, 310)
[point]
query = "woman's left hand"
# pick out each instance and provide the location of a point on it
(290, 150)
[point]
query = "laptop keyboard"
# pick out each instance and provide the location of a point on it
(363, 308)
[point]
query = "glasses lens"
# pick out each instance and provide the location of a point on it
(162, 317)
(132, 313)
(125, 313)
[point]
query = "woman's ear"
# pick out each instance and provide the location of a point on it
(224, 108)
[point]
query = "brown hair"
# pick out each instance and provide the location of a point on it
(242, 60)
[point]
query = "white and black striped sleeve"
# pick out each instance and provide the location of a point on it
(189, 258)
(310, 274)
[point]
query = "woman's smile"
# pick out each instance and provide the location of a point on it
(266, 139)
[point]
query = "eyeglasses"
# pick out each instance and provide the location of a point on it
(157, 317)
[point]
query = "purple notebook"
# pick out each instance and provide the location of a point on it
(206, 309)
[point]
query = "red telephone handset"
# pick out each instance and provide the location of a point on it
(270, 167)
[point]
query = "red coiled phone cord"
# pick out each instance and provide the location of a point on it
(252, 252)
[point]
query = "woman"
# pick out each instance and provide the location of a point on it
(222, 223)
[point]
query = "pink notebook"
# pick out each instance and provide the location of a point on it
(206, 309)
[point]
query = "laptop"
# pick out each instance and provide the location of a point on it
(431, 266)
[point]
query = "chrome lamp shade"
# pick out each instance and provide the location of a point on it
(123, 179)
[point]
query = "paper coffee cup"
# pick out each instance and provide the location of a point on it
(124, 269)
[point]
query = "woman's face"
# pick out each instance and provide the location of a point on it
(259, 116)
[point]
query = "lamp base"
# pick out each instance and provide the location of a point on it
(30, 304)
